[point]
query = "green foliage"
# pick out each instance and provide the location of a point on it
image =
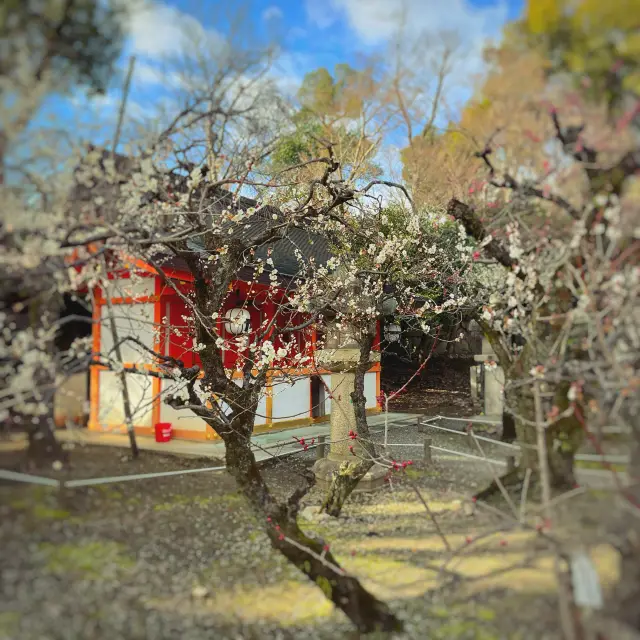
(300, 145)
(597, 43)
(340, 95)
(326, 102)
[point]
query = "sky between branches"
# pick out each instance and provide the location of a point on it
(307, 34)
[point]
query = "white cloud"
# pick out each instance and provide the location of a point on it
(148, 74)
(157, 30)
(272, 13)
(321, 14)
(374, 21)
(145, 73)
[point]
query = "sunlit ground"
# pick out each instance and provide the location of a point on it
(185, 556)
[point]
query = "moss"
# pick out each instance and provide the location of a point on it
(9, 623)
(30, 496)
(486, 614)
(467, 620)
(41, 506)
(285, 604)
(325, 586)
(254, 536)
(599, 466)
(314, 529)
(417, 474)
(407, 507)
(19, 505)
(91, 559)
(110, 494)
(459, 629)
(228, 500)
(42, 512)
(389, 579)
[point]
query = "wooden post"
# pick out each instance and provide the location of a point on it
(511, 463)
(320, 448)
(427, 451)
(419, 425)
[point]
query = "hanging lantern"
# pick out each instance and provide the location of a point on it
(392, 332)
(237, 321)
(389, 306)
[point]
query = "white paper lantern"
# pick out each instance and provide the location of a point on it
(392, 332)
(237, 321)
(389, 306)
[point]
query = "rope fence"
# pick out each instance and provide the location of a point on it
(321, 443)
(583, 457)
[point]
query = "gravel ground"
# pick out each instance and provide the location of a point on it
(182, 557)
(466, 475)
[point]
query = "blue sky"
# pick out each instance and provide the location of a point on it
(309, 34)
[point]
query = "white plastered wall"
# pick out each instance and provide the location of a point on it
(135, 287)
(327, 402)
(111, 410)
(183, 419)
(370, 390)
(291, 401)
(134, 320)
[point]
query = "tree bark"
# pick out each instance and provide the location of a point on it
(43, 447)
(343, 485)
(309, 555)
(508, 427)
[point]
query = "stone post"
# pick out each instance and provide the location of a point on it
(341, 356)
(493, 387)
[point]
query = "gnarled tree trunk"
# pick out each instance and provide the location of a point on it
(309, 555)
(43, 447)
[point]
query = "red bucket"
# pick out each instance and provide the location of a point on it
(163, 431)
